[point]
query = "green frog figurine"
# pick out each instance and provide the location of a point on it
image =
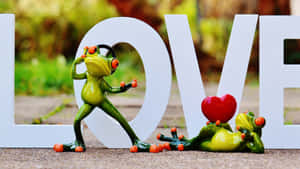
(219, 137)
(94, 95)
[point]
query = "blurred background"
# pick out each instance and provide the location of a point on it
(49, 32)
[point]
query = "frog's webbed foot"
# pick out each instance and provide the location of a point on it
(71, 147)
(175, 142)
(140, 146)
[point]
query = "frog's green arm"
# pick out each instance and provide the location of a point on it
(108, 88)
(255, 146)
(76, 75)
(209, 131)
(226, 126)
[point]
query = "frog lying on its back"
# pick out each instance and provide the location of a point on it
(220, 137)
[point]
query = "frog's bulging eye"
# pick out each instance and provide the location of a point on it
(92, 49)
(114, 63)
(260, 121)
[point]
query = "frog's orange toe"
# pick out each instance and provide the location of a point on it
(54, 146)
(173, 129)
(134, 84)
(180, 147)
(134, 149)
(158, 136)
(167, 146)
(122, 84)
(180, 137)
(58, 147)
(243, 135)
(78, 149)
(154, 148)
(160, 147)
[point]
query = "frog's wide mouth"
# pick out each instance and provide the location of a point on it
(97, 66)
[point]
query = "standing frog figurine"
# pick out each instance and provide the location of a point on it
(94, 95)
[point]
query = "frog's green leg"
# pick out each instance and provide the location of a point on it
(255, 145)
(207, 132)
(139, 146)
(251, 141)
(78, 145)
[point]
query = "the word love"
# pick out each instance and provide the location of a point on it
(274, 77)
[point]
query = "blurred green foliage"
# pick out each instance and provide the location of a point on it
(43, 77)
(214, 32)
(50, 77)
(49, 32)
(47, 29)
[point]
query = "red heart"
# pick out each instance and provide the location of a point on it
(219, 108)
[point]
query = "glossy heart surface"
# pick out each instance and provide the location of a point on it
(219, 108)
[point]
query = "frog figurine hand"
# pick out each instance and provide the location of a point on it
(94, 95)
(218, 136)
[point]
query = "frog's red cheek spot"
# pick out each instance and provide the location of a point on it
(92, 49)
(115, 63)
(260, 121)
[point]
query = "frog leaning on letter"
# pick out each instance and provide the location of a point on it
(94, 95)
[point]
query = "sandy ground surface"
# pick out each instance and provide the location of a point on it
(97, 156)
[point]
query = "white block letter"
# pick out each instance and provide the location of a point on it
(275, 76)
(13, 135)
(157, 66)
(187, 71)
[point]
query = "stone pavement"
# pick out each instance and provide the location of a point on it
(97, 156)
